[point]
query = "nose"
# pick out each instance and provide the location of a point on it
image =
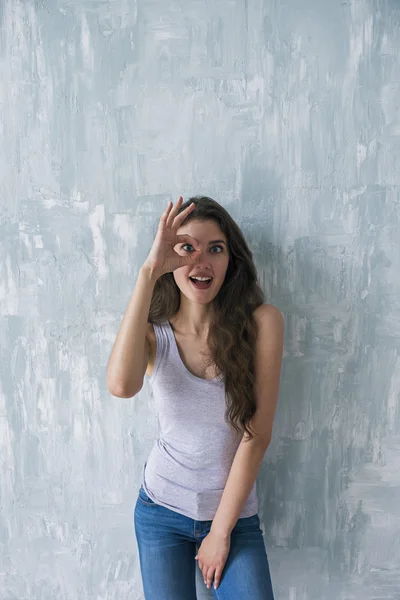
(201, 259)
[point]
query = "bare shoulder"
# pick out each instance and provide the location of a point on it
(268, 316)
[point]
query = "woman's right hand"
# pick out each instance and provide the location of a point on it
(163, 258)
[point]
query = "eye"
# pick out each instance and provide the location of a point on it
(185, 245)
(220, 248)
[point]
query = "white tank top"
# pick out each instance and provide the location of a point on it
(190, 461)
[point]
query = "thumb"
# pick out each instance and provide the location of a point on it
(185, 261)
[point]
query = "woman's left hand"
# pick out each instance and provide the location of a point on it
(212, 556)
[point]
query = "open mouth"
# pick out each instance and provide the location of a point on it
(201, 283)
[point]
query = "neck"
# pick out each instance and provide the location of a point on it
(193, 318)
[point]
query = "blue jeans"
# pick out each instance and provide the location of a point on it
(168, 542)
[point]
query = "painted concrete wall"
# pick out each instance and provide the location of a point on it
(289, 114)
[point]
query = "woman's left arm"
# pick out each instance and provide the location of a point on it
(214, 549)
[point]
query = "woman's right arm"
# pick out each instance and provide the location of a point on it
(130, 354)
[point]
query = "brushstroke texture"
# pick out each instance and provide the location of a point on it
(289, 114)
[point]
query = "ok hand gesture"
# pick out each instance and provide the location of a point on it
(163, 257)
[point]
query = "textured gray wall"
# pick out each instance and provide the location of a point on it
(287, 113)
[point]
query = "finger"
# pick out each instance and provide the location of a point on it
(165, 214)
(179, 218)
(174, 211)
(184, 261)
(180, 239)
(210, 576)
(217, 577)
(204, 571)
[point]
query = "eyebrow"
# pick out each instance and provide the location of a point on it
(217, 242)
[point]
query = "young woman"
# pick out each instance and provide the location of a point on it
(197, 326)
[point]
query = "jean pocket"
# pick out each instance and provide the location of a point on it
(144, 498)
(248, 523)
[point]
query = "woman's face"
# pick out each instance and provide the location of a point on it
(210, 262)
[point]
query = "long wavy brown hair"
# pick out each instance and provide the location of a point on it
(233, 331)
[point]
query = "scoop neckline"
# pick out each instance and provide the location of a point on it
(175, 344)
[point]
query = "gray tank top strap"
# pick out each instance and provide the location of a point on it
(164, 347)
